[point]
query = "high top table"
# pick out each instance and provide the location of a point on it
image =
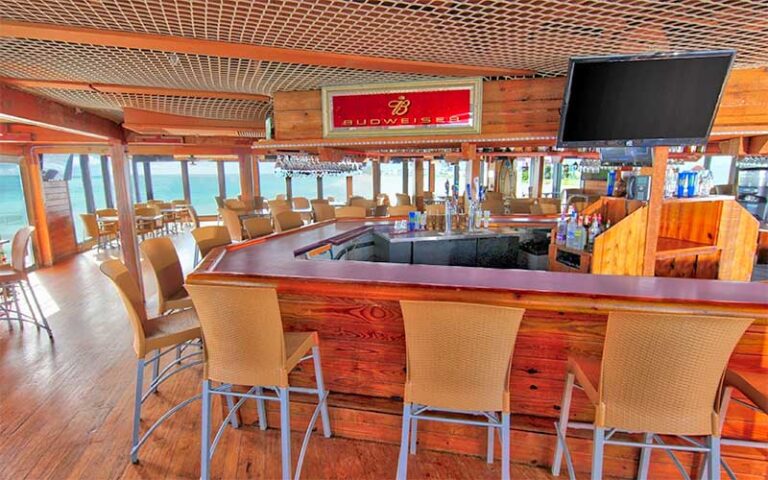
(354, 307)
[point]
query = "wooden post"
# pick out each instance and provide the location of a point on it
(148, 182)
(469, 151)
(185, 181)
(376, 170)
(289, 188)
(256, 175)
(222, 176)
(432, 176)
(246, 176)
(127, 221)
(319, 186)
(349, 187)
(537, 180)
(419, 172)
(32, 179)
(85, 174)
(655, 203)
(107, 180)
(404, 163)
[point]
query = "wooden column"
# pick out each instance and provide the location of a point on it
(289, 188)
(419, 173)
(349, 187)
(376, 170)
(256, 175)
(32, 179)
(537, 176)
(221, 175)
(660, 155)
(432, 176)
(319, 186)
(85, 174)
(469, 151)
(148, 181)
(130, 246)
(405, 177)
(246, 176)
(106, 177)
(185, 180)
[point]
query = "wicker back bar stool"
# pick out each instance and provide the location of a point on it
(458, 361)
(245, 345)
(169, 277)
(152, 339)
(754, 387)
(207, 238)
(14, 278)
(660, 375)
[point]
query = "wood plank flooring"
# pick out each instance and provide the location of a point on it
(65, 407)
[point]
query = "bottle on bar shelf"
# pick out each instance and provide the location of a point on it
(562, 227)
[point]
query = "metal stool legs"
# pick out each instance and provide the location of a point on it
(413, 413)
(11, 295)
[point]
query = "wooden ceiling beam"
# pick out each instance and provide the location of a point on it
(22, 107)
(20, 133)
(194, 46)
(131, 89)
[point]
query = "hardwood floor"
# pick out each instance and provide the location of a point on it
(65, 407)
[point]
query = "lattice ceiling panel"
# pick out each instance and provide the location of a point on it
(215, 108)
(48, 60)
(532, 34)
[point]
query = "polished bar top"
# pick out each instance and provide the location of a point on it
(274, 257)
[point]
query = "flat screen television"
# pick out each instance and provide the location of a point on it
(642, 100)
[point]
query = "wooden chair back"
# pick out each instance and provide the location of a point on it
(208, 238)
(166, 267)
(288, 220)
(19, 247)
(257, 226)
(232, 221)
(400, 210)
(300, 202)
(403, 199)
(350, 212)
(323, 212)
(130, 294)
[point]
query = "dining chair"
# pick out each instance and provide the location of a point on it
(300, 202)
(232, 222)
(14, 278)
(400, 210)
(403, 199)
(350, 212)
(660, 374)
(245, 344)
(323, 212)
(153, 338)
(257, 226)
(288, 220)
(169, 277)
(101, 235)
(458, 360)
(207, 238)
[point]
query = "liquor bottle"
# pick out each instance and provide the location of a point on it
(562, 226)
(594, 231)
(578, 234)
(570, 232)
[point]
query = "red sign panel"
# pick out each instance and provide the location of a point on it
(432, 109)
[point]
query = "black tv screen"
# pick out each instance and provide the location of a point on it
(642, 100)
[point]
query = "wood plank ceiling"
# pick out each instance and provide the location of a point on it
(261, 47)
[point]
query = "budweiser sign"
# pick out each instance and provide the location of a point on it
(426, 108)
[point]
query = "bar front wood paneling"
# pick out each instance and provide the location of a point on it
(354, 307)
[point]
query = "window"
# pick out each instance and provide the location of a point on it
(203, 186)
(271, 184)
(444, 172)
(13, 210)
(77, 198)
(304, 186)
(548, 185)
(166, 181)
(463, 175)
(721, 168)
(232, 179)
(362, 184)
(391, 180)
(139, 182)
(426, 174)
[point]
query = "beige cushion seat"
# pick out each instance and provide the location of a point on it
(172, 329)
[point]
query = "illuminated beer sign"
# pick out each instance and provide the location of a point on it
(416, 108)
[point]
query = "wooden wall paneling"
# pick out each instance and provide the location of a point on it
(298, 115)
(656, 199)
(58, 210)
(738, 242)
(126, 218)
(620, 250)
(693, 221)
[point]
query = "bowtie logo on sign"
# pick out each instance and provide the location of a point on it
(399, 106)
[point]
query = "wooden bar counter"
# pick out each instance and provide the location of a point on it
(354, 307)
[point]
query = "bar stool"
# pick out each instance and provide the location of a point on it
(459, 359)
(164, 334)
(754, 387)
(245, 345)
(15, 275)
(660, 375)
(169, 277)
(208, 238)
